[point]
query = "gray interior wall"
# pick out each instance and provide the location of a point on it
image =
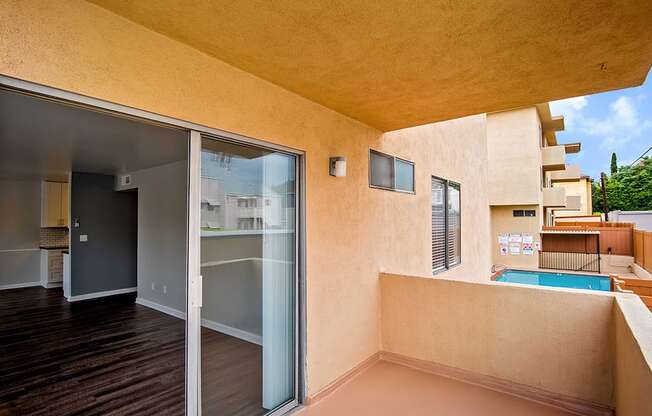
(162, 218)
(20, 210)
(232, 292)
(107, 261)
(232, 295)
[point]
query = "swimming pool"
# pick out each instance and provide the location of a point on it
(575, 281)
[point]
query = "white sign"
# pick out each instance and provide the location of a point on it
(514, 249)
(515, 238)
(527, 238)
(527, 249)
(537, 245)
(503, 249)
(503, 239)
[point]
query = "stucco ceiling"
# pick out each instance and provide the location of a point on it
(393, 64)
(42, 139)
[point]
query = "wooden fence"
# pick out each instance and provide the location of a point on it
(640, 287)
(643, 249)
(594, 224)
(613, 240)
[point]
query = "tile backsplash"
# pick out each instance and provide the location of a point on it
(54, 237)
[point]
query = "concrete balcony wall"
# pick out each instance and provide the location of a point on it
(553, 158)
(557, 340)
(589, 345)
(571, 173)
(573, 203)
(554, 197)
(633, 351)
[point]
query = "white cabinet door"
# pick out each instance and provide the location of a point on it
(54, 204)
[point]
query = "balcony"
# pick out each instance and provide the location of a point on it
(572, 173)
(468, 348)
(553, 158)
(573, 203)
(554, 197)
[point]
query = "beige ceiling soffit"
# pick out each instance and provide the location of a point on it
(396, 64)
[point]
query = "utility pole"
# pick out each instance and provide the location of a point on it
(604, 197)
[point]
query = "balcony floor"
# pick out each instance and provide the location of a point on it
(392, 389)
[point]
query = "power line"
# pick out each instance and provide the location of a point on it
(641, 156)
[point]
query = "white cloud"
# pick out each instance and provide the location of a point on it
(570, 108)
(621, 124)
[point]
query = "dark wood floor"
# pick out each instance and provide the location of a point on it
(111, 356)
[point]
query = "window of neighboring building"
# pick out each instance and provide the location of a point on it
(391, 173)
(524, 213)
(446, 224)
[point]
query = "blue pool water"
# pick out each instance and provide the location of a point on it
(576, 281)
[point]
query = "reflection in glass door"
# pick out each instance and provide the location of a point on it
(248, 267)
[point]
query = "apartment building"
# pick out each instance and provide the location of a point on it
(376, 268)
(524, 162)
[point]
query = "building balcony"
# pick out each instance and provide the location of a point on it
(573, 203)
(467, 348)
(572, 173)
(553, 158)
(554, 197)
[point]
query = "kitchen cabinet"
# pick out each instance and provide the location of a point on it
(54, 204)
(51, 268)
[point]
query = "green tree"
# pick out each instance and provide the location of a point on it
(614, 164)
(630, 188)
(596, 196)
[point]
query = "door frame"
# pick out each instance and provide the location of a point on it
(195, 132)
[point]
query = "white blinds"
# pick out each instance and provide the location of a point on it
(438, 225)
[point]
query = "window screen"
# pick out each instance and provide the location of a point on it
(382, 170)
(404, 175)
(446, 224)
(453, 224)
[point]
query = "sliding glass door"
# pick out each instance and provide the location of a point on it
(247, 322)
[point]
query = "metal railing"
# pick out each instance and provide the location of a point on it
(584, 262)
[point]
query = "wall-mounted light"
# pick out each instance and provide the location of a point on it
(337, 166)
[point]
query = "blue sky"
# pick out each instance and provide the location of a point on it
(617, 121)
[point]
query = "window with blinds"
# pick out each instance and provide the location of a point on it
(446, 224)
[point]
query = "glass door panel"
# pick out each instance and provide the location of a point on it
(248, 268)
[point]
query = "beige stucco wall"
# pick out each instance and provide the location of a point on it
(352, 232)
(582, 188)
(553, 339)
(514, 149)
(503, 221)
(455, 150)
(633, 348)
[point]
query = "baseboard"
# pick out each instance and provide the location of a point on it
(215, 326)
(342, 380)
(51, 285)
(95, 295)
(161, 308)
(234, 332)
(559, 401)
(20, 285)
